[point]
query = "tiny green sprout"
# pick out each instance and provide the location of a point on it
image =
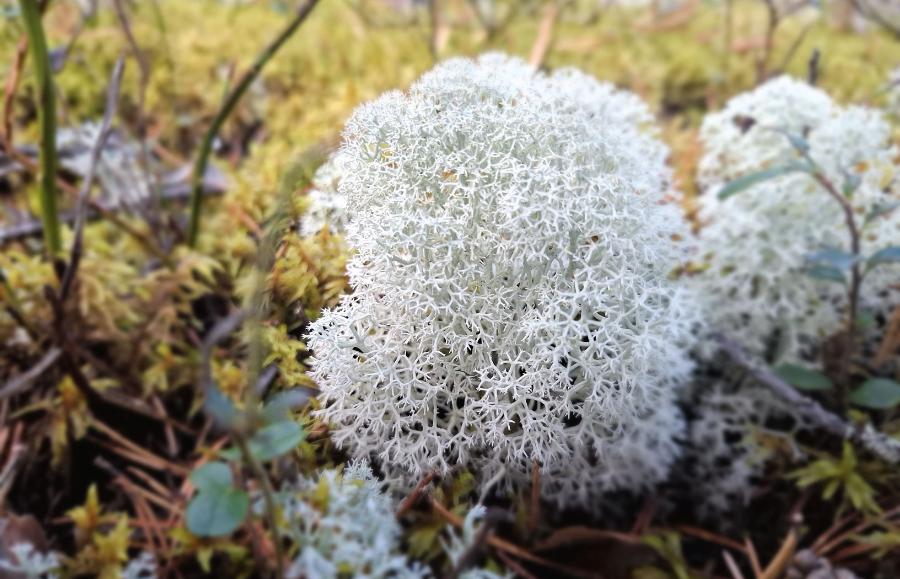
(839, 474)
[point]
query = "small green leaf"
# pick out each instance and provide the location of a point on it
(877, 394)
(276, 439)
(751, 179)
(231, 454)
(825, 273)
(797, 141)
(220, 408)
(852, 181)
(211, 475)
(803, 378)
(886, 255)
(279, 407)
(217, 512)
(882, 209)
(833, 258)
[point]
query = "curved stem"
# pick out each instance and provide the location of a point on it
(230, 102)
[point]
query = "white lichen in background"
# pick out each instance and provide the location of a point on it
(754, 245)
(141, 567)
(327, 205)
(29, 563)
(122, 178)
(343, 525)
(512, 297)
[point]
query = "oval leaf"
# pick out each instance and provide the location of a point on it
(825, 273)
(217, 512)
(803, 378)
(834, 258)
(211, 475)
(881, 210)
(276, 439)
(752, 179)
(877, 393)
(220, 408)
(279, 407)
(886, 255)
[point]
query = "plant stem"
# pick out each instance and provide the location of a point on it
(268, 499)
(227, 107)
(855, 273)
(31, 13)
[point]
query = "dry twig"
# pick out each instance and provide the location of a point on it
(885, 447)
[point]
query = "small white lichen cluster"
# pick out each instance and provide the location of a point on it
(141, 567)
(327, 205)
(29, 563)
(512, 299)
(343, 525)
(754, 245)
(461, 542)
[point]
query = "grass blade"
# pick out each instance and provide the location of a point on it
(37, 42)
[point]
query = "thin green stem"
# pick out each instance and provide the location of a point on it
(268, 498)
(37, 42)
(225, 111)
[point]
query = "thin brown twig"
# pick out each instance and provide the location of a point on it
(23, 380)
(855, 271)
(824, 549)
(753, 557)
(782, 558)
(112, 96)
(711, 537)
(732, 565)
(413, 498)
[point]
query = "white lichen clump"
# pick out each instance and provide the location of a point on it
(327, 205)
(512, 300)
(29, 563)
(755, 244)
(460, 543)
(343, 525)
